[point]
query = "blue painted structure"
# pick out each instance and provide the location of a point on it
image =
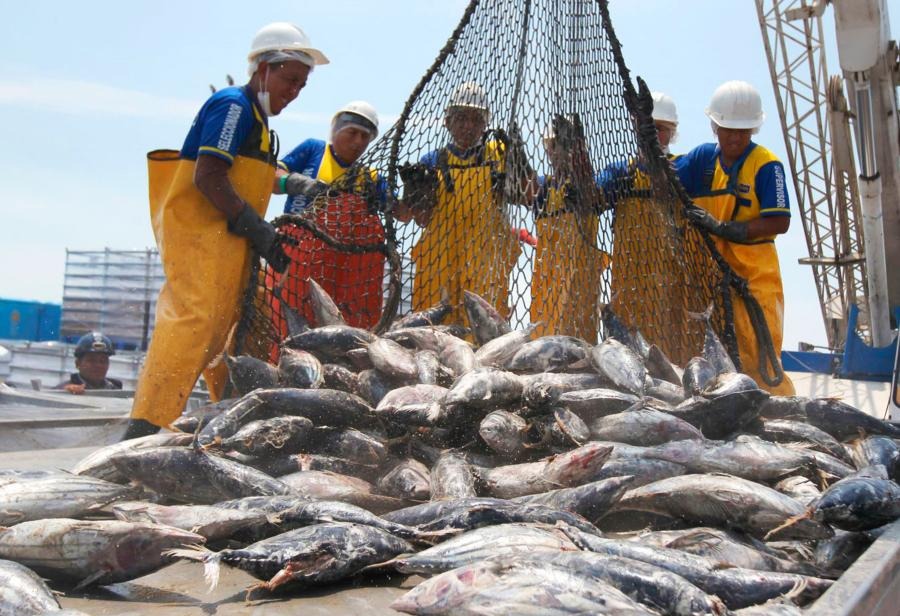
(858, 361)
(24, 320)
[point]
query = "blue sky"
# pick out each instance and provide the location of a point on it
(88, 88)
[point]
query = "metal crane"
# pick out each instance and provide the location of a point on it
(852, 224)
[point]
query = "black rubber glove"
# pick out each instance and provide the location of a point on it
(262, 237)
(419, 185)
(732, 231)
(299, 184)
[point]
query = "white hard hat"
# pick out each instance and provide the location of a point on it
(363, 110)
(469, 95)
(736, 104)
(664, 108)
(284, 36)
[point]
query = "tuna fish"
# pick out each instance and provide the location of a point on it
(56, 497)
(620, 365)
(543, 390)
(497, 352)
(713, 350)
(409, 479)
(858, 503)
(504, 585)
(195, 477)
(324, 485)
(485, 321)
(643, 426)
(393, 360)
(469, 517)
(23, 592)
(452, 478)
(591, 500)
(589, 404)
(267, 437)
(787, 431)
(430, 316)
(504, 432)
(213, 523)
(324, 309)
(330, 342)
(299, 369)
(697, 374)
(722, 500)
(550, 354)
(476, 545)
(485, 389)
(92, 552)
(99, 462)
(321, 406)
(304, 557)
(565, 470)
(248, 373)
(837, 418)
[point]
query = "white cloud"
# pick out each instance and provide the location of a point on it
(73, 97)
(84, 97)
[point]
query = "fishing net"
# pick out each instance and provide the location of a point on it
(525, 168)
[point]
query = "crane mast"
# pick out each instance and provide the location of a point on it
(826, 194)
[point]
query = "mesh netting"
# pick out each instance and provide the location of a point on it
(525, 168)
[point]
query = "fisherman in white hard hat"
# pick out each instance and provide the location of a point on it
(458, 194)
(207, 202)
(741, 190)
(352, 280)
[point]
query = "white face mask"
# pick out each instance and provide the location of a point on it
(263, 95)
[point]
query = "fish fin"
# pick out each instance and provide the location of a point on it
(702, 316)
(275, 519)
(798, 588)
(96, 575)
(788, 523)
(193, 551)
(16, 515)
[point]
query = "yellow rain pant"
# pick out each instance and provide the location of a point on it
(648, 271)
(206, 269)
(467, 245)
(565, 286)
(757, 263)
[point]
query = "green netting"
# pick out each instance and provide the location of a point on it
(527, 126)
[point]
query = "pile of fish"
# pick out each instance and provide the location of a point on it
(516, 475)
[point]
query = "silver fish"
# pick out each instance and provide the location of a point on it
(99, 464)
(409, 479)
(91, 552)
(713, 350)
(23, 592)
(620, 365)
(63, 496)
(485, 321)
(565, 470)
(393, 360)
(504, 432)
(213, 523)
(485, 389)
(267, 437)
(248, 373)
(304, 557)
(324, 309)
(643, 426)
(299, 369)
(497, 352)
(722, 500)
(324, 485)
(452, 478)
(550, 354)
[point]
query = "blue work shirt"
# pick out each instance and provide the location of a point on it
(222, 125)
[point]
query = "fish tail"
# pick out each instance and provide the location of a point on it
(211, 568)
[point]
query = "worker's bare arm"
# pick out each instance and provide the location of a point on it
(211, 179)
